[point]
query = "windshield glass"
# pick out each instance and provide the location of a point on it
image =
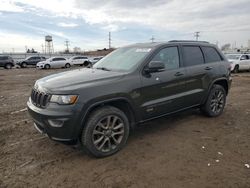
(123, 59)
(230, 56)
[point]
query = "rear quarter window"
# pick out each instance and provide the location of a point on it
(211, 54)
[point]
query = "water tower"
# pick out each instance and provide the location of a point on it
(49, 48)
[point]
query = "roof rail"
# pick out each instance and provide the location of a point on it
(188, 41)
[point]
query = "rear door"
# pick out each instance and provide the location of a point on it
(31, 61)
(61, 62)
(198, 74)
(55, 62)
(203, 64)
(163, 92)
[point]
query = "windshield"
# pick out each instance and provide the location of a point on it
(230, 56)
(123, 59)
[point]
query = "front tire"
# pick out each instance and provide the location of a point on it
(215, 102)
(106, 132)
(47, 66)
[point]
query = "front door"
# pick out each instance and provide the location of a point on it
(163, 92)
(244, 62)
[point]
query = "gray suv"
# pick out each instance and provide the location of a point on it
(7, 62)
(99, 106)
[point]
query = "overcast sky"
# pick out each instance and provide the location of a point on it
(86, 23)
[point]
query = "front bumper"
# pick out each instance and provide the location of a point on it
(68, 116)
(39, 66)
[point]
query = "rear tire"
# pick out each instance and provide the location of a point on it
(86, 64)
(106, 132)
(215, 102)
(8, 66)
(24, 65)
(47, 66)
(67, 65)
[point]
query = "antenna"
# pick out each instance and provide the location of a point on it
(197, 35)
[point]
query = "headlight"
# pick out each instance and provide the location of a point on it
(64, 99)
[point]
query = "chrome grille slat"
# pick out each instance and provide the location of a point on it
(39, 99)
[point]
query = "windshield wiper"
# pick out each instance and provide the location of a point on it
(103, 68)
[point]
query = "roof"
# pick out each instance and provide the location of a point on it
(156, 44)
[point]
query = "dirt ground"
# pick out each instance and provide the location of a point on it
(184, 150)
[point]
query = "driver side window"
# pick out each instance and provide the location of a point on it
(169, 56)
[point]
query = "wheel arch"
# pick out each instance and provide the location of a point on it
(122, 104)
(221, 81)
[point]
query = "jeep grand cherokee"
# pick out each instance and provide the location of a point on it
(99, 106)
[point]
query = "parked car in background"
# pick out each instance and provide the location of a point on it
(7, 62)
(32, 60)
(54, 62)
(239, 62)
(79, 60)
(95, 60)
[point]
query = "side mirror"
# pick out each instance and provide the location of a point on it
(242, 58)
(155, 66)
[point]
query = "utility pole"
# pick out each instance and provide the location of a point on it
(152, 39)
(67, 46)
(197, 35)
(109, 40)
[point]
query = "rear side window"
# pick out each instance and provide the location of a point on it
(211, 54)
(192, 55)
(80, 58)
(58, 59)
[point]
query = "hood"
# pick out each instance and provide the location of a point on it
(72, 80)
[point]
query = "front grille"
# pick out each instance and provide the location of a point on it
(39, 99)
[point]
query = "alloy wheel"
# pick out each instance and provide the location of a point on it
(108, 133)
(217, 101)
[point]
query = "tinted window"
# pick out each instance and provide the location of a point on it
(211, 54)
(58, 59)
(32, 58)
(192, 55)
(244, 57)
(3, 57)
(169, 56)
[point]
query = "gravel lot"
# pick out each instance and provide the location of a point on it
(184, 150)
